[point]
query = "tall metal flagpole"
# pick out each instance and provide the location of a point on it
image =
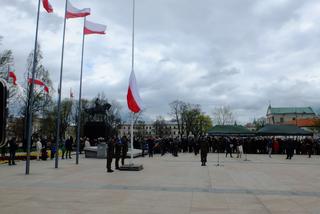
(80, 92)
(132, 69)
(31, 95)
(131, 140)
(59, 90)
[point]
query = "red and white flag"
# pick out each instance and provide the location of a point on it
(133, 97)
(13, 76)
(94, 28)
(47, 6)
(73, 12)
(40, 83)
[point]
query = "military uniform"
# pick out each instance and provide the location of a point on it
(110, 154)
(204, 147)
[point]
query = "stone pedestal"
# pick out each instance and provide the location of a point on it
(131, 167)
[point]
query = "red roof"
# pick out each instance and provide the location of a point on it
(311, 122)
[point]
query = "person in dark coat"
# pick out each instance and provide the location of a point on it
(117, 152)
(124, 149)
(12, 150)
(204, 149)
(150, 146)
(228, 146)
(68, 145)
(110, 153)
(309, 146)
(289, 148)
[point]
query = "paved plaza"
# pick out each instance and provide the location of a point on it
(166, 185)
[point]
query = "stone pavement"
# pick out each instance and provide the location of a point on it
(166, 185)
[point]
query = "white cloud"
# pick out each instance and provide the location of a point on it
(237, 53)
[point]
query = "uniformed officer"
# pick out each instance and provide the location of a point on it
(117, 153)
(110, 153)
(204, 147)
(124, 149)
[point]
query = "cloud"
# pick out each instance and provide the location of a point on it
(237, 53)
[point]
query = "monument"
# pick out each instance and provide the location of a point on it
(97, 126)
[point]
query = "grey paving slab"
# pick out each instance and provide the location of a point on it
(166, 185)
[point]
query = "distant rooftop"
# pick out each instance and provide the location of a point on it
(290, 110)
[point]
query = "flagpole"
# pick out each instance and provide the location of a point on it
(131, 140)
(132, 69)
(80, 93)
(31, 95)
(133, 16)
(59, 90)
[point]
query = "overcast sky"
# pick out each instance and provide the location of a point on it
(243, 54)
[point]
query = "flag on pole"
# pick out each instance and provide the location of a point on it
(40, 83)
(73, 12)
(94, 28)
(47, 6)
(13, 76)
(133, 97)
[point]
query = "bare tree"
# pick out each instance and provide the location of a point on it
(159, 126)
(177, 111)
(223, 116)
(42, 99)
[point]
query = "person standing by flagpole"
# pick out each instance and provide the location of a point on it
(88, 28)
(70, 12)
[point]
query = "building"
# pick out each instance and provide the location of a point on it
(284, 115)
(169, 129)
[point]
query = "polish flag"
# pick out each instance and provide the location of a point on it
(94, 28)
(40, 83)
(13, 76)
(133, 97)
(73, 12)
(47, 6)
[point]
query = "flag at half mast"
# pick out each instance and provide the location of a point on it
(94, 28)
(133, 98)
(73, 12)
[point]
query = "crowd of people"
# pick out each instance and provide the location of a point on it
(230, 145)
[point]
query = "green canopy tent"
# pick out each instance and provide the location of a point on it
(230, 130)
(283, 130)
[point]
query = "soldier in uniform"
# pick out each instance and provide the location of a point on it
(110, 153)
(204, 147)
(117, 153)
(124, 150)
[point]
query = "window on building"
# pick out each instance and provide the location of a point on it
(281, 120)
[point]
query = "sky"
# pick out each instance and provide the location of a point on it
(242, 54)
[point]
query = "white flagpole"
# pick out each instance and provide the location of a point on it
(59, 89)
(31, 95)
(80, 92)
(132, 69)
(131, 159)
